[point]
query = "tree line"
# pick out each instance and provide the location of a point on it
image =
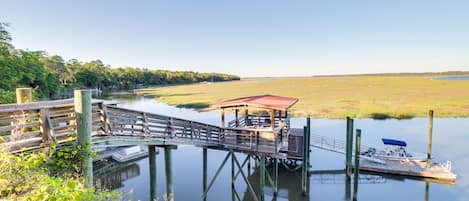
(51, 75)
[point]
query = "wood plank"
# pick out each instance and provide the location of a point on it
(10, 138)
(18, 126)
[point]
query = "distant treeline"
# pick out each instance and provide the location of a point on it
(446, 73)
(51, 75)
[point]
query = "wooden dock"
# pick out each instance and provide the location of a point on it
(36, 125)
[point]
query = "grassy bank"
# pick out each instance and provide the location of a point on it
(384, 96)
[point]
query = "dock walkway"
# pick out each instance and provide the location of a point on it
(32, 126)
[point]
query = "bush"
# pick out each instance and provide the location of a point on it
(26, 177)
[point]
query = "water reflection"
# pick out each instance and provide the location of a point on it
(289, 185)
(112, 175)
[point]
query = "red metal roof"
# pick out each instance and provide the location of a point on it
(262, 101)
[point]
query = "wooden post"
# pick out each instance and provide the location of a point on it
(83, 118)
(349, 147)
(427, 190)
(236, 117)
(356, 167)
(279, 115)
(169, 174)
(232, 169)
(262, 178)
(430, 136)
(272, 119)
(44, 125)
(275, 186)
(249, 164)
(204, 169)
(347, 188)
(104, 119)
(308, 140)
(153, 174)
(24, 95)
(304, 169)
(222, 117)
(246, 117)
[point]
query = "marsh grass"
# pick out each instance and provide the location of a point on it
(378, 97)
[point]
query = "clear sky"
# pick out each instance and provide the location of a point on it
(249, 37)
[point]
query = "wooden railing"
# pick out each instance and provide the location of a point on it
(128, 122)
(36, 125)
(253, 120)
(31, 126)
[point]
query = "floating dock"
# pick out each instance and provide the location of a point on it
(411, 168)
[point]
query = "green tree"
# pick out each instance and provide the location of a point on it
(55, 64)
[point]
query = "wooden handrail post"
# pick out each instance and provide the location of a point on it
(44, 126)
(104, 119)
(23, 95)
(145, 127)
(82, 104)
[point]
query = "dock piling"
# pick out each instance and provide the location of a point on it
(275, 177)
(304, 168)
(348, 148)
(82, 103)
(430, 136)
(204, 168)
(152, 164)
(356, 167)
(169, 174)
(308, 141)
(262, 177)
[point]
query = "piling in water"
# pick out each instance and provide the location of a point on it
(152, 164)
(430, 136)
(348, 147)
(357, 163)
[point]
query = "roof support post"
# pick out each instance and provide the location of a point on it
(246, 116)
(222, 117)
(272, 118)
(236, 117)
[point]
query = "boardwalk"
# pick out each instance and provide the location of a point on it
(36, 125)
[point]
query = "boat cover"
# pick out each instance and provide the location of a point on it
(394, 142)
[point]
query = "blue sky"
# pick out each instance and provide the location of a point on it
(249, 37)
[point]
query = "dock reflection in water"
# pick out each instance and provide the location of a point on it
(111, 175)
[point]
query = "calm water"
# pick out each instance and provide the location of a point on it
(450, 139)
(455, 78)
